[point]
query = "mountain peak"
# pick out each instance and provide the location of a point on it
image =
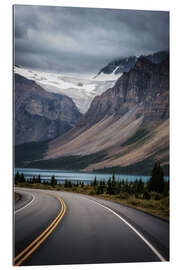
(124, 64)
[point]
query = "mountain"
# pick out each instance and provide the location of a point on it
(127, 126)
(124, 64)
(80, 88)
(119, 66)
(39, 115)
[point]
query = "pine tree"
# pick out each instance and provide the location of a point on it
(66, 184)
(113, 184)
(39, 179)
(95, 182)
(100, 188)
(156, 182)
(109, 187)
(140, 186)
(53, 181)
(17, 177)
(21, 178)
(82, 184)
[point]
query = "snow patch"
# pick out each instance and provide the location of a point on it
(108, 77)
(80, 87)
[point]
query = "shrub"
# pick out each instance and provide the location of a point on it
(156, 196)
(165, 202)
(123, 196)
(91, 192)
(134, 202)
(146, 196)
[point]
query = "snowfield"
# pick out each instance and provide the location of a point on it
(82, 88)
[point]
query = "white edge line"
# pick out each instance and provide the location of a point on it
(18, 210)
(132, 228)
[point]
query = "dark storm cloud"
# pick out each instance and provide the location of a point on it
(83, 40)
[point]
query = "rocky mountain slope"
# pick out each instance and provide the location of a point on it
(128, 123)
(39, 115)
(124, 64)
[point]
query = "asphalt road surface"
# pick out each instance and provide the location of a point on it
(53, 228)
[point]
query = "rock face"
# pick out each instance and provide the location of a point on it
(39, 115)
(125, 64)
(145, 85)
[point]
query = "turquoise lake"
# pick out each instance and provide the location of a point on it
(61, 175)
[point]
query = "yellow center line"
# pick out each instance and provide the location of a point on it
(39, 239)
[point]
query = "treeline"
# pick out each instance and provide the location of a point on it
(19, 178)
(155, 188)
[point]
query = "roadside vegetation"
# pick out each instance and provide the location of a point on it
(151, 197)
(16, 196)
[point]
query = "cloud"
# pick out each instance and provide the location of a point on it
(68, 39)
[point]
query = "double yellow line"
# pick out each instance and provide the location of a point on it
(22, 256)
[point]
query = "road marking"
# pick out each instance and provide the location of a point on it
(36, 243)
(132, 228)
(18, 210)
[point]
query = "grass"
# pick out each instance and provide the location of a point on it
(158, 208)
(157, 205)
(16, 196)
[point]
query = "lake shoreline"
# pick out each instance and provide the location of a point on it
(76, 176)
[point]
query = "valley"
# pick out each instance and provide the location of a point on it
(125, 124)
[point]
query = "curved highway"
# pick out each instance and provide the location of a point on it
(53, 228)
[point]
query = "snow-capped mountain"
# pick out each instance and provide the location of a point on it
(81, 88)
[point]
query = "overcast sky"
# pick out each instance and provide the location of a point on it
(82, 39)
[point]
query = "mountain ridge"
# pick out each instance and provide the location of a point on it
(139, 100)
(127, 124)
(124, 64)
(40, 115)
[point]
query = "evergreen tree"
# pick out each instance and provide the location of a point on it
(69, 184)
(135, 188)
(113, 184)
(119, 186)
(21, 178)
(166, 188)
(109, 187)
(34, 179)
(66, 184)
(53, 181)
(82, 184)
(156, 182)
(17, 177)
(38, 179)
(95, 182)
(140, 186)
(146, 196)
(100, 188)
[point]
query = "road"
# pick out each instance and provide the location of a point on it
(53, 227)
